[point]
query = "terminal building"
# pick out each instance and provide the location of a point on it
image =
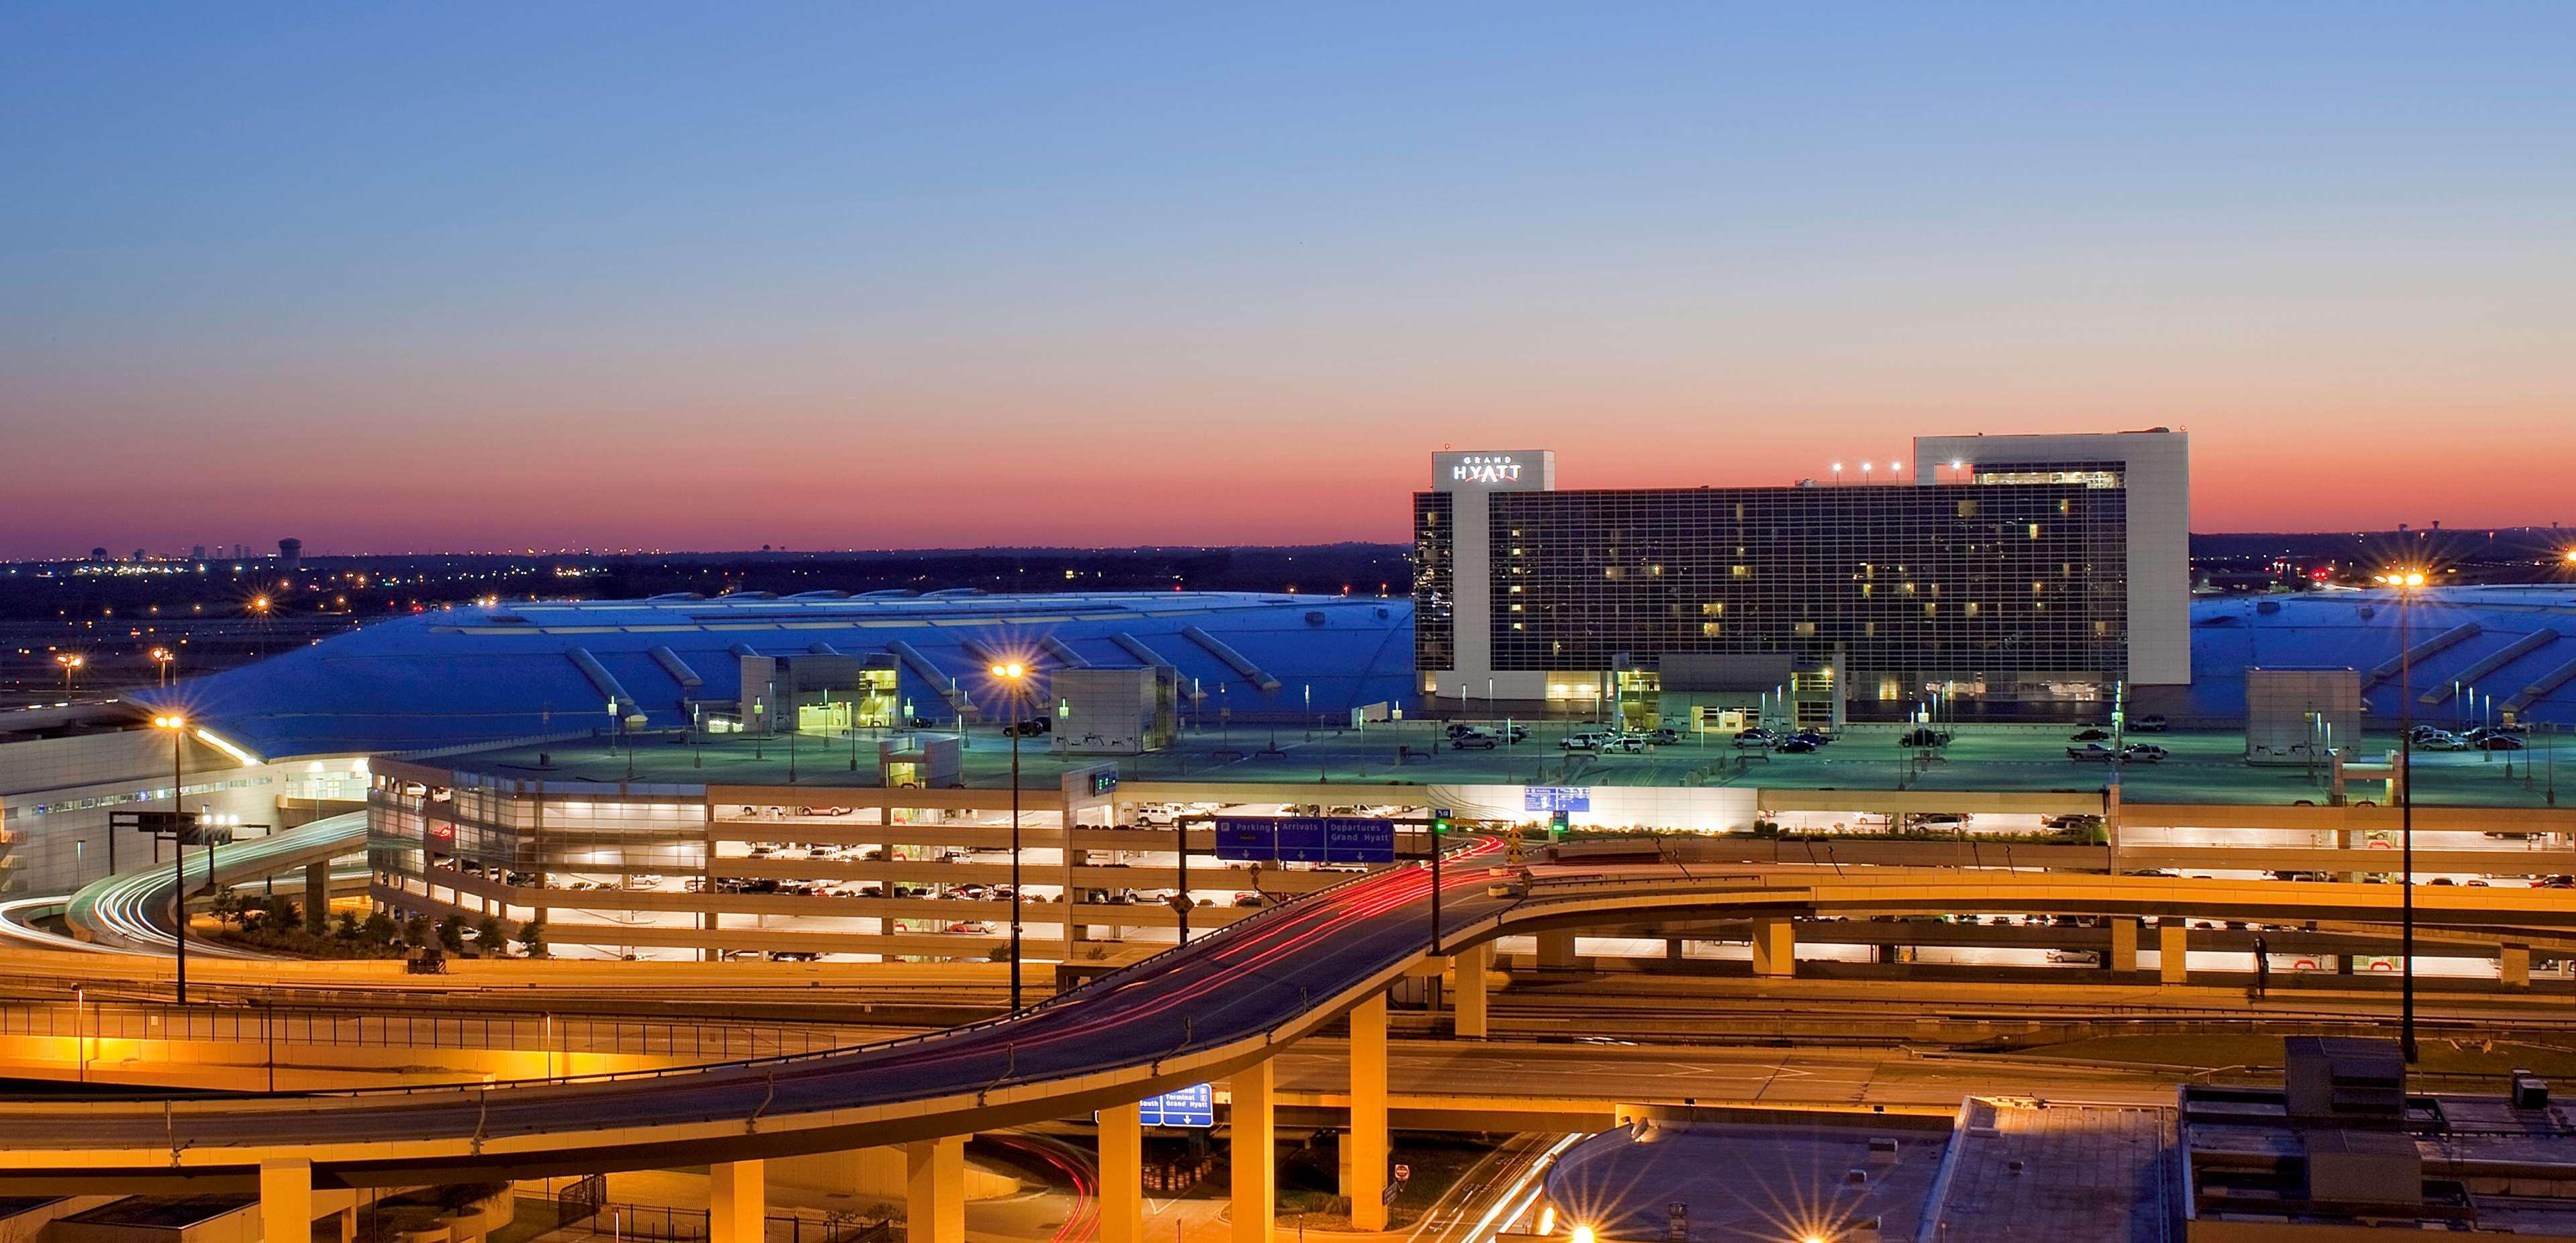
(2015, 576)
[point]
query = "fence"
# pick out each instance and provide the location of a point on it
(649, 1223)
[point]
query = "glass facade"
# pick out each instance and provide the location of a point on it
(1993, 585)
(1435, 644)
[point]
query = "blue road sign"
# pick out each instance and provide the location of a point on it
(1301, 840)
(1194, 1105)
(1359, 841)
(1556, 798)
(1247, 839)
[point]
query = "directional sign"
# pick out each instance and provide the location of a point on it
(1556, 798)
(1247, 839)
(1304, 839)
(1359, 841)
(1301, 840)
(1194, 1105)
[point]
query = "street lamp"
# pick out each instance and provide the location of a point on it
(1014, 679)
(2405, 581)
(178, 727)
(69, 661)
(164, 658)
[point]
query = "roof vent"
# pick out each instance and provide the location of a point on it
(2268, 607)
(1315, 617)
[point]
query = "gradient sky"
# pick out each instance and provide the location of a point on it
(394, 277)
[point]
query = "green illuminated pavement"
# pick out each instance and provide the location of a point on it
(2205, 766)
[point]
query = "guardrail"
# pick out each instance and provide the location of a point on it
(302, 1025)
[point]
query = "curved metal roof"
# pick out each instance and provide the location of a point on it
(479, 674)
(2516, 644)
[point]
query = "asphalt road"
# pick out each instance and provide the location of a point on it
(1233, 985)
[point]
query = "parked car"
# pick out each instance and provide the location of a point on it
(2500, 742)
(1624, 744)
(1809, 735)
(1030, 728)
(2145, 753)
(2071, 822)
(1588, 740)
(1664, 736)
(2439, 740)
(1472, 740)
(2092, 751)
(1924, 736)
(1756, 738)
(2089, 735)
(1799, 745)
(2151, 723)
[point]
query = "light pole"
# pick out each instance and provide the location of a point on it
(178, 727)
(70, 661)
(1014, 679)
(2405, 582)
(165, 658)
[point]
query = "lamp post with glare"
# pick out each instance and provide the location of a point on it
(2405, 581)
(178, 727)
(1014, 679)
(164, 658)
(70, 661)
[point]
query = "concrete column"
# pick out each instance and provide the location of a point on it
(1471, 968)
(1556, 950)
(1673, 950)
(934, 1193)
(1775, 948)
(348, 1221)
(1365, 1181)
(2172, 958)
(1254, 1153)
(1122, 1175)
(2515, 966)
(737, 1201)
(286, 1200)
(2124, 946)
(317, 895)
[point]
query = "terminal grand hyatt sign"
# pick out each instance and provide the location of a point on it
(1517, 470)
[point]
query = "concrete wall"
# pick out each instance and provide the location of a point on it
(59, 850)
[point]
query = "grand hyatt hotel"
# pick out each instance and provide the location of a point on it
(2014, 576)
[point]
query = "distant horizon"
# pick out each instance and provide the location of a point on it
(268, 550)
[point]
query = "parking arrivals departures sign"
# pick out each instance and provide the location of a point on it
(1304, 839)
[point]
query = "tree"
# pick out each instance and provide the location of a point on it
(280, 916)
(451, 934)
(378, 930)
(415, 930)
(347, 929)
(532, 938)
(226, 906)
(488, 939)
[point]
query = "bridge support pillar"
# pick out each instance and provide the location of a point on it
(2173, 959)
(347, 1219)
(286, 1200)
(934, 1192)
(737, 1201)
(1474, 991)
(1122, 1174)
(1365, 1153)
(1775, 948)
(317, 896)
(2124, 946)
(1254, 1152)
(2514, 966)
(1556, 950)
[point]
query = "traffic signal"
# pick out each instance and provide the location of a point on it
(1556, 822)
(1440, 821)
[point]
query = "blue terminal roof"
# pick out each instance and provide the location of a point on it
(2504, 640)
(478, 674)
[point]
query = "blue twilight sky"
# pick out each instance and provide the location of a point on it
(458, 275)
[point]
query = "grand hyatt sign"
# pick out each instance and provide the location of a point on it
(1520, 470)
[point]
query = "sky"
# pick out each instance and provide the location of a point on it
(486, 276)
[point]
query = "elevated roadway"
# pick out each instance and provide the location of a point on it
(131, 910)
(1223, 1004)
